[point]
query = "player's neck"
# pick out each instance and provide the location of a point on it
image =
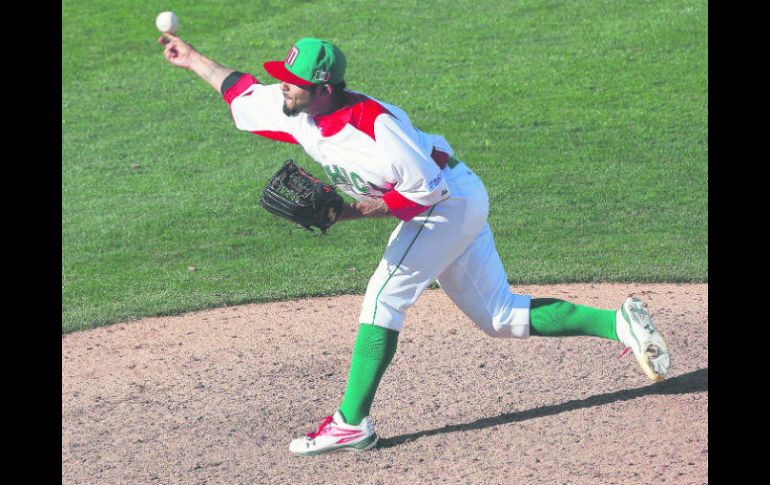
(329, 104)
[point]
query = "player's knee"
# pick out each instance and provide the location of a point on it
(384, 315)
(504, 325)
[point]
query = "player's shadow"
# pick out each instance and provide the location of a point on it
(696, 381)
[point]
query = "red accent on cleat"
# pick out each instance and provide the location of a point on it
(327, 420)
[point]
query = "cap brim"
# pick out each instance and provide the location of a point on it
(279, 71)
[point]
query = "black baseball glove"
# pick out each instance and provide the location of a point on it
(299, 197)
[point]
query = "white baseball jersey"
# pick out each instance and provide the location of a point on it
(369, 149)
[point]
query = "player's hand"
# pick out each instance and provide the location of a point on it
(177, 51)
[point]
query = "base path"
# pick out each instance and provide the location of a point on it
(215, 397)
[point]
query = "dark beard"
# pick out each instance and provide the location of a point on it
(289, 112)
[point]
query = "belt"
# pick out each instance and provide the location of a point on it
(443, 159)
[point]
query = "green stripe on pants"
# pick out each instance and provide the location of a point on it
(377, 298)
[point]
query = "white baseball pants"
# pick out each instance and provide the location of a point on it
(450, 243)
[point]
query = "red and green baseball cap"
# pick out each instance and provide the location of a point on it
(309, 61)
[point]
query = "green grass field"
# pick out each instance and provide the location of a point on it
(587, 120)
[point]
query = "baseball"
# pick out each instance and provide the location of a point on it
(167, 22)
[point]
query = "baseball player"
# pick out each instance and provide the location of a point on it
(370, 150)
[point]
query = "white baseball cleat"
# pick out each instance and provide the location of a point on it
(636, 331)
(334, 434)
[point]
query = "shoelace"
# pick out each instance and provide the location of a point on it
(324, 423)
(625, 351)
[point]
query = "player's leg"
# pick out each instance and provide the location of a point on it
(350, 428)
(631, 325)
(372, 353)
(551, 317)
(478, 284)
(416, 253)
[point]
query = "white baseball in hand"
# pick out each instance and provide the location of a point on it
(167, 22)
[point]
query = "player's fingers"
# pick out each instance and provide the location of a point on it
(167, 38)
(170, 50)
(170, 53)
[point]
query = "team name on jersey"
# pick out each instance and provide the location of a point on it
(340, 177)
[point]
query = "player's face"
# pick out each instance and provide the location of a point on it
(296, 99)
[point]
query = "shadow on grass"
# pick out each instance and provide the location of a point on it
(696, 381)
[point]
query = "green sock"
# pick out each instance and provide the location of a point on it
(372, 353)
(550, 317)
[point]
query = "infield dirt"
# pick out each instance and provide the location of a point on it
(215, 397)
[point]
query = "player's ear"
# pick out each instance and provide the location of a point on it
(324, 90)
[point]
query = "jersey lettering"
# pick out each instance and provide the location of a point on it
(360, 187)
(434, 183)
(345, 174)
(338, 176)
(333, 172)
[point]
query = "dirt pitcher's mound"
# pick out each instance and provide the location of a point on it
(216, 396)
